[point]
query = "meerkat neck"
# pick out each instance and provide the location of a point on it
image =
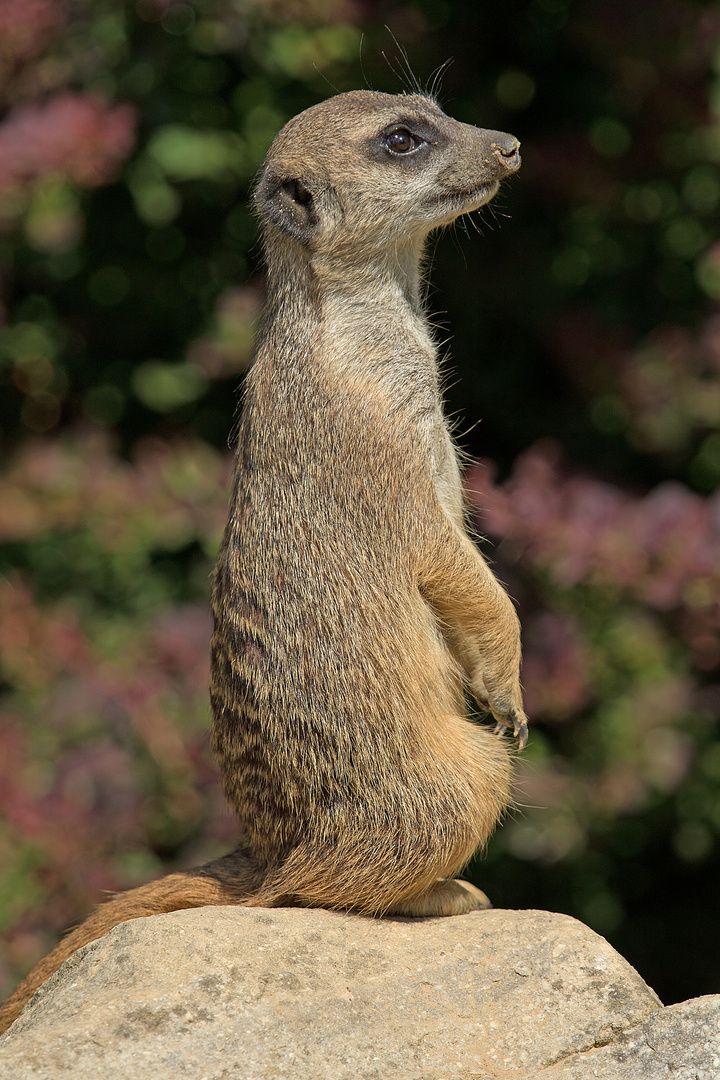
(390, 274)
(291, 281)
(364, 314)
(369, 275)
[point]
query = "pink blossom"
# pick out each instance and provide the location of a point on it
(175, 492)
(556, 666)
(74, 135)
(26, 27)
(657, 546)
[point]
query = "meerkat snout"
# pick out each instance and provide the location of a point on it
(507, 151)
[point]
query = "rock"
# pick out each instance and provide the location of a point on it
(681, 1042)
(295, 994)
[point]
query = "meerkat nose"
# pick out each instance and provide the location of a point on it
(507, 151)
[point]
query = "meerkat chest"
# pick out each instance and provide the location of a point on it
(446, 477)
(376, 350)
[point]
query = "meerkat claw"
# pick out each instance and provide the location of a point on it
(520, 731)
(519, 726)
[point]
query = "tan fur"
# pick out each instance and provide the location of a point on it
(350, 605)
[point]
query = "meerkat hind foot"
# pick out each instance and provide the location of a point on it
(450, 896)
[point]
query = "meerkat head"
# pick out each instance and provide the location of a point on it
(363, 170)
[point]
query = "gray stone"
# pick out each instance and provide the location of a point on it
(294, 994)
(681, 1042)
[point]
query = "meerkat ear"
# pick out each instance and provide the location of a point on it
(288, 203)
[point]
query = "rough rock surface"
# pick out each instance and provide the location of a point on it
(292, 994)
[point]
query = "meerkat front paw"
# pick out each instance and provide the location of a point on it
(506, 709)
(519, 725)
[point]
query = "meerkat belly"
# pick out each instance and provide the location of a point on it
(333, 663)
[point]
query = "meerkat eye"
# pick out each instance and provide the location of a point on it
(402, 141)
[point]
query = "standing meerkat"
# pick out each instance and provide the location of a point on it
(351, 607)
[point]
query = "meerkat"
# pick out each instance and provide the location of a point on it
(351, 607)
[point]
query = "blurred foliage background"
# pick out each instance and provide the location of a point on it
(585, 326)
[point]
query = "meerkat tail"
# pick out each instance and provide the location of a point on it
(229, 880)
